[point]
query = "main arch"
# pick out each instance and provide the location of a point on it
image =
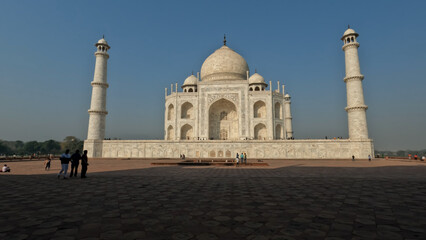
(223, 120)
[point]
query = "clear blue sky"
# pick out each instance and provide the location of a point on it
(47, 62)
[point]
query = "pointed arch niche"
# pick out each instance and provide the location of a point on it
(170, 133)
(187, 110)
(260, 131)
(170, 112)
(186, 132)
(278, 132)
(259, 109)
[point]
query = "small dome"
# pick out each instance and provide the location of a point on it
(349, 31)
(287, 95)
(102, 41)
(191, 80)
(256, 78)
(224, 64)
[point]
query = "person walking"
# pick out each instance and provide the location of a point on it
(84, 164)
(65, 160)
(47, 162)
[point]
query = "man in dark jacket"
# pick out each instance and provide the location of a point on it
(75, 160)
(84, 163)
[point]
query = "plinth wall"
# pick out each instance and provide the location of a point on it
(279, 149)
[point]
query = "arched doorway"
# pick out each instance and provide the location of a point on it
(223, 120)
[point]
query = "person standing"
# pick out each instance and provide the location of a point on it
(369, 158)
(84, 164)
(241, 158)
(245, 158)
(75, 160)
(353, 158)
(65, 160)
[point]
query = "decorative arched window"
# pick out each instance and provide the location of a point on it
(257, 89)
(190, 90)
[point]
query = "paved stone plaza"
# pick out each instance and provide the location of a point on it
(291, 199)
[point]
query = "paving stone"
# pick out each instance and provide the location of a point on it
(284, 202)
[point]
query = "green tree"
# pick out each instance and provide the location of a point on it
(72, 143)
(32, 147)
(50, 146)
(4, 149)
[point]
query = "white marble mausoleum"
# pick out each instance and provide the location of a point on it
(224, 110)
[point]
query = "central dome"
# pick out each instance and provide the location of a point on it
(224, 64)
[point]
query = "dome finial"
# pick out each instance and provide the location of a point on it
(255, 70)
(224, 39)
(103, 36)
(349, 26)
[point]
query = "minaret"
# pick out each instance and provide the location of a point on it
(287, 115)
(97, 109)
(357, 121)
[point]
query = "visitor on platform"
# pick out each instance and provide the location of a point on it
(245, 158)
(84, 164)
(353, 158)
(369, 158)
(5, 168)
(241, 157)
(75, 161)
(65, 160)
(415, 156)
(47, 162)
(423, 158)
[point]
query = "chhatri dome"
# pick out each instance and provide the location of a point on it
(224, 64)
(191, 80)
(256, 78)
(349, 31)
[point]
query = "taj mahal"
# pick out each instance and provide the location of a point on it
(224, 110)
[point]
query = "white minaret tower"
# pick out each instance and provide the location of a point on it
(288, 118)
(357, 121)
(97, 109)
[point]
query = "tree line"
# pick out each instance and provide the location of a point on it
(40, 148)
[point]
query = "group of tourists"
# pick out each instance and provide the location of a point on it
(75, 158)
(241, 158)
(416, 157)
